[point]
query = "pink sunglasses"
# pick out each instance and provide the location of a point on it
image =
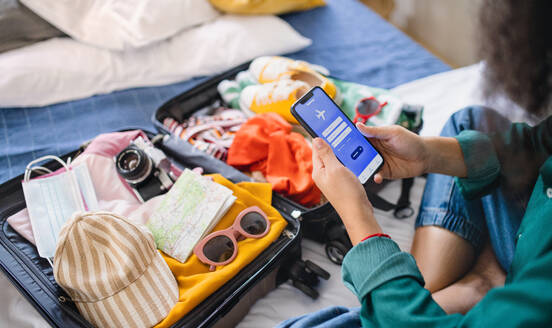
(221, 247)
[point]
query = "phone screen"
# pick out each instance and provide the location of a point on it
(317, 112)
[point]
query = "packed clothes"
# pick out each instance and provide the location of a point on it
(273, 84)
(195, 281)
(212, 134)
(112, 192)
(266, 143)
(194, 278)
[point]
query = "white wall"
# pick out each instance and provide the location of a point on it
(446, 27)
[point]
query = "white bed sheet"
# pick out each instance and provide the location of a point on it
(442, 95)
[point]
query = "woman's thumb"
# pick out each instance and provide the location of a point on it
(324, 153)
(379, 132)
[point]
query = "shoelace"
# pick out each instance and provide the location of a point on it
(277, 91)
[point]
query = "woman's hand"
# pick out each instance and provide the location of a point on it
(405, 153)
(344, 191)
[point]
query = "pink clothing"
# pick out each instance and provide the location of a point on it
(110, 144)
(112, 191)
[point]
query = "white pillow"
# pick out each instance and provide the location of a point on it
(64, 69)
(122, 24)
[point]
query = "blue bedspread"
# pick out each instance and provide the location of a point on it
(349, 39)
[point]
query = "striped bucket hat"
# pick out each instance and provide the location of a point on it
(113, 272)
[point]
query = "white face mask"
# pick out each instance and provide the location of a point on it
(52, 200)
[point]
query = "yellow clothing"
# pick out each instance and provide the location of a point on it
(195, 281)
(259, 7)
(282, 107)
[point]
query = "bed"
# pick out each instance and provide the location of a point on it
(353, 42)
(349, 39)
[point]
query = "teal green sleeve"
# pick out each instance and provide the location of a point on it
(390, 287)
(481, 162)
(381, 261)
(397, 297)
(510, 158)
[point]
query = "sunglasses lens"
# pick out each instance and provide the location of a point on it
(368, 107)
(219, 249)
(253, 223)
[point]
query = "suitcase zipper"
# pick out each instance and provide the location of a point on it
(296, 214)
(288, 234)
(31, 270)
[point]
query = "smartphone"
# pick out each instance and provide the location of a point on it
(321, 117)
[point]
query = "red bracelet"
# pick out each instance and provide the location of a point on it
(376, 235)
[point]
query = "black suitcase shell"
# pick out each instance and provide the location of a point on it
(33, 276)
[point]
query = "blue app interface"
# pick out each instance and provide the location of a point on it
(331, 124)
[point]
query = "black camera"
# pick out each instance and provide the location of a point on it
(145, 168)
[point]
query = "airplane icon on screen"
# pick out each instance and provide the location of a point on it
(320, 114)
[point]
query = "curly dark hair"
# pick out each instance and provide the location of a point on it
(516, 43)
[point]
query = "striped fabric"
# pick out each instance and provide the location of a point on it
(212, 134)
(111, 269)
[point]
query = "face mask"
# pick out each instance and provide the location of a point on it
(52, 200)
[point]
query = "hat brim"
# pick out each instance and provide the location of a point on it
(143, 303)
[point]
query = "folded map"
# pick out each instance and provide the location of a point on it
(188, 212)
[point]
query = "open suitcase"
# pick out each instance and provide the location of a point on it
(320, 223)
(33, 277)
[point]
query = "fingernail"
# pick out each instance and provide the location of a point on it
(318, 143)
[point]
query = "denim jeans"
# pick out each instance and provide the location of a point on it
(494, 216)
(332, 317)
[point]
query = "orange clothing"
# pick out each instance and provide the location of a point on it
(265, 143)
(195, 281)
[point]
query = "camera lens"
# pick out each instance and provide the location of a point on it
(133, 164)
